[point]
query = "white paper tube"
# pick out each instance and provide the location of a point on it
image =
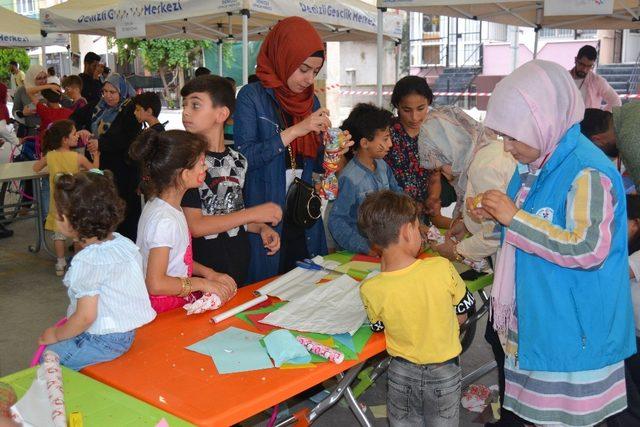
(239, 309)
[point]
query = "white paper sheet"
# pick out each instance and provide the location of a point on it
(331, 308)
(297, 282)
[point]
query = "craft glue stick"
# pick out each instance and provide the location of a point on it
(328, 353)
(75, 419)
(239, 309)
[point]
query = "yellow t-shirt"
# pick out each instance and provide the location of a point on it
(58, 162)
(416, 305)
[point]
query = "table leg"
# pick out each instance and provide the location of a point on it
(341, 389)
(37, 200)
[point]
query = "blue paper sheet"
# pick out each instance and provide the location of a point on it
(234, 350)
(283, 347)
(346, 340)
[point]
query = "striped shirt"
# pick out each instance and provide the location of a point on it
(112, 270)
(571, 398)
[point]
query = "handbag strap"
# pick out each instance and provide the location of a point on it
(283, 125)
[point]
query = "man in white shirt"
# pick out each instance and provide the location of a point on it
(595, 90)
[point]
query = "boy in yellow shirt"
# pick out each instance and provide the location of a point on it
(413, 301)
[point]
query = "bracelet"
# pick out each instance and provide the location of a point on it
(458, 257)
(186, 287)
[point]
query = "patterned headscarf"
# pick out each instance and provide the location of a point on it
(104, 115)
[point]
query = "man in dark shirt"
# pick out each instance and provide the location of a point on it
(91, 87)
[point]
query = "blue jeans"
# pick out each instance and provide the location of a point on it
(88, 349)
(423, 395)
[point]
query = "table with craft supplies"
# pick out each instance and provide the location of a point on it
(97, 403)
(160, 370)
(11, 174)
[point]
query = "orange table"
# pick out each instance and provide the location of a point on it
(162, 372)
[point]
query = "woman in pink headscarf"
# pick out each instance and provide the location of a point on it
(561, 298)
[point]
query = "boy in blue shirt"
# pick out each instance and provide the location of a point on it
(365, 173)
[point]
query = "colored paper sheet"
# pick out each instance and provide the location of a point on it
(366, 258)
(341, 257)
(234, 350)
(294, 366)
(283, 347)
(261, 327)
(346, 340)
(269, 309)
(359, 266)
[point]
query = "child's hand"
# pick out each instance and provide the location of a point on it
(269, 213)
(462, 318)
(270, 239)
(457, 231)
(84, 135)
(214, 276)
(223, 289)
(92, 145)
(48, 336)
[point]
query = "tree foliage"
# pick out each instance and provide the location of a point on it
(161, 55)
(8, 55)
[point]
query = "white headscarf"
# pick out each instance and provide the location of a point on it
(32, 73)
(536, 104)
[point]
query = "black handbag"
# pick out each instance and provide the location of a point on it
(303, 206)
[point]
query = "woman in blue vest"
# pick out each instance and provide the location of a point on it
(276, 126)
(561, 298)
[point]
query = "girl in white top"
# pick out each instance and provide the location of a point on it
(106, 285)
(171, 163)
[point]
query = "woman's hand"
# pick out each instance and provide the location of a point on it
(92, 145)
(48, 336)
(317, 122)
(432, 206)
(446, 249)
(270, 239)
(84, 135)
(457, 231)
(496, 205)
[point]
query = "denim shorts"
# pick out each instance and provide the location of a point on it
(423, 395)
(88, 349)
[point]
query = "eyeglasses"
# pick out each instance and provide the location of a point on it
(587, 66)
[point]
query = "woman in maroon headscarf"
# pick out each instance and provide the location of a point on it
(277, 124)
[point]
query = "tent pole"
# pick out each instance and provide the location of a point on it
(539, 16)
(245, 46)
(380, 59)
(220, 42)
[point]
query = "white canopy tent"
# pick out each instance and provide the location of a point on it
(538, 14)
(19, 31)
(335, 20)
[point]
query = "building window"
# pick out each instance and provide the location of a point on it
(27, 7)
(430, 24)
(558, 33)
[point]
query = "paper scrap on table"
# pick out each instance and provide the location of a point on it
(261, 327)
(43, 404)
(297, 282)
(283, 347)
(346, 340)
(234, 350)
(333, 308)
(379, 411)
(364, 266)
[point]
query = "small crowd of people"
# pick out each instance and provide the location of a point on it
(543, 184)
